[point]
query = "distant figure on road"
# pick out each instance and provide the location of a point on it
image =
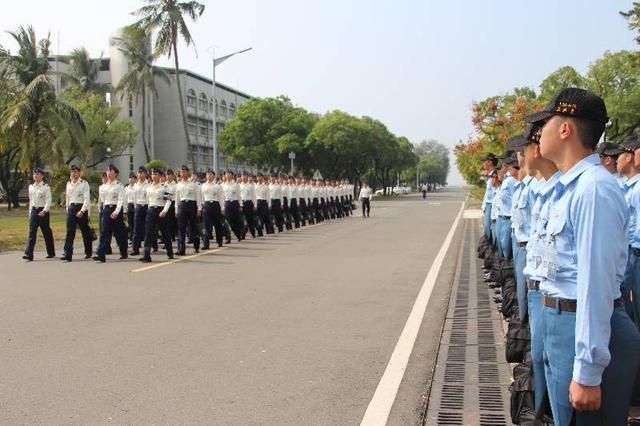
(39, 204)
(365, 198)
(425, 188)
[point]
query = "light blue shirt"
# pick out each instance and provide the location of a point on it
(489, 193)
(584, 258)
(620, 179)
(632, 195)
(517, 187)
(539, 216)
(497, 199)
(506, 194)
(522, 204)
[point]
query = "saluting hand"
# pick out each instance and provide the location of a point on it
(584, 398)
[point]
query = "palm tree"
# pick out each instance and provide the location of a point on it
(167, 17)
(134, 45)
(34, 117)
(84, 71)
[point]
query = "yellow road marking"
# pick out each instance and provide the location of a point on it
(180, 259)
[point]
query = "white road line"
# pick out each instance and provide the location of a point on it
(380, 406)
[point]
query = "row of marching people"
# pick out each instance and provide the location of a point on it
(158, 207)
(561, 248)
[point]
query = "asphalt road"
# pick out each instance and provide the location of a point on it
(296, 328)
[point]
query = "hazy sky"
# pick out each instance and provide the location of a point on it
(415, 65)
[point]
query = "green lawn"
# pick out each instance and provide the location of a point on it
(14, 231)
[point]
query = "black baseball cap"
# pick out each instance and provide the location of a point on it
(170, 171)
(157, 171)
(609, 149)
(575, 103)
(142, 169)
(516, 143)
(132, 175)
(630, 144)
(532, 133)
(114, 168)
(210, 170)
(39, 170)
(489, 156)
(185, 168)
(75, 167)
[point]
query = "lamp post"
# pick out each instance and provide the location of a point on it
(215, 62)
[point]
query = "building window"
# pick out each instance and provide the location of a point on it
(232, 110)
(203, 102)
(223, 109)
(191, 124)
(211, 106)
(217, 108)
(191, 98)
(203, 131)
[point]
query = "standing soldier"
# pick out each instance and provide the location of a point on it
(101, 190)
(608, 153)
(78, 200)
(158, 206)
(275, 191)
(111, 218)
(171, 216)
(489, 162)
(39, 205)
(232, 205)
(286, 212)
(131, 205)
(263, 198)
(365, 198)
(249, 201)
(188, 208)
(314, 197)
(213, 198)
(141, 200)
(324, 205)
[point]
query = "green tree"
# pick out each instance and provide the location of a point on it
(633, 18)
(35, 118)
(84, 71)
(560, 79)
(616, 77)
(159, 164)
(107, 134)
(140, 78)
(167, 17)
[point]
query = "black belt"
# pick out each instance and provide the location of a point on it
(533, 285)
(564, 305)
(522, 244)
(141, 205)
(113, 206)
(131, 204)
(212, 202)
(504, 217)
(187, 201)
(37, 208)
(75, 204)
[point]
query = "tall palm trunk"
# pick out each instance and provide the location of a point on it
(181, 102)
(144, 125)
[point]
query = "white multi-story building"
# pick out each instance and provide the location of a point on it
(163, 121)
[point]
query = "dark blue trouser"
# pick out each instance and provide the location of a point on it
(36, 222)
(152, 223)
(276, 210)
(232, 214)
(131, 220)
(249, 215)
(72, 223)
(366, 207)
(617, 380)
(139, 229)
(295, 212)
(263, 215)
(110, 227)
(212, 217)
(631, 285)
(187, 216)
(302, 203)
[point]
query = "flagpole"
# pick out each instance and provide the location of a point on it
(215, 111)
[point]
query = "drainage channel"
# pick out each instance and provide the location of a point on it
(471, 379)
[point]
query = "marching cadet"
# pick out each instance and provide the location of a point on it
(249, 202)
(591, 347)
(130, 197)
(286, 213)
(547, 174)
(158, 206)
(309, 191)
(263, 199)
(365, 198)
(324, 200)
(111, 218)
(275, 191)
(293, 191)
(39, 205)
(314, 192)
(141, 200)
(78, 201)
(232, 205)
(331, 201)
(609, 153)
(337, 193)
(302, 200)
(503, 219)
(101, 190)
(627, 166)
(350, 188)
(213, 198)
(171, 216)
(345, 194)
(489, 162)
(188, 209)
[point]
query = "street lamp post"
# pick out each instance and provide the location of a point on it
(292, 156)
(215, 62)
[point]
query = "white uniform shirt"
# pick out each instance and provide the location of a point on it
(188, 191)
(365, 193)
(171, 190)
(39, 196)
(212, 192)
(157, 196)
(314, 192)
(101, 190)
(248, 192)
(140, 190)
(292, 191)
(231, 191)
(262, 192)
(78, 193)
(275, 190)
(113, 194)
(130, 194)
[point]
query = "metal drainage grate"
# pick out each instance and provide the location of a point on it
(469, 385)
